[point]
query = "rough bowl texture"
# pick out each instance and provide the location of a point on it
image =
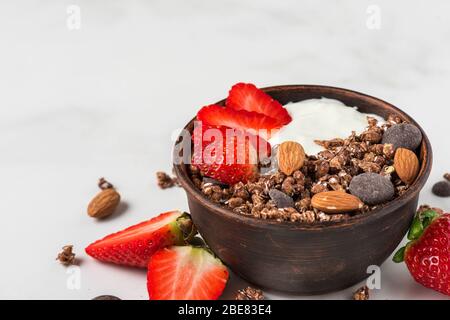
(308, 259)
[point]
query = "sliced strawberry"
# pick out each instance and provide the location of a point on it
(228, 155)
(134, 245)
(246, 96)
(185, 273)
(254, 122)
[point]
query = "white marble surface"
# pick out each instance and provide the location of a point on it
(104, 100)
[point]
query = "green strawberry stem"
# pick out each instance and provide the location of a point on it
(187, 227)
(428, 217)
(421, 221)
(399, 256)
(416, 229)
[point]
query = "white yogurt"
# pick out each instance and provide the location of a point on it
(320, 119)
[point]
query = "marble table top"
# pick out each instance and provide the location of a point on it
(98, 88)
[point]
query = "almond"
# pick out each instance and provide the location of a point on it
(291, 157)
(105, 202)
(336, 202)
(406, 165)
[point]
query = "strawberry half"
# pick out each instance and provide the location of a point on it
(427, 255)
(135, 245)
(246, 96)
(228, 155)
(253, 122)
(185, 273)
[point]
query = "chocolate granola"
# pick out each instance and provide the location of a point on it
(66, 256)
(249, 293)
(165, 181)
(362, 294)
(330, 170)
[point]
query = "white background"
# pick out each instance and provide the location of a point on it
(104, 100)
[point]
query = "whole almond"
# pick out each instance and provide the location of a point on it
(105, 202)
(406, 165)
(336, 202)
(291, 157)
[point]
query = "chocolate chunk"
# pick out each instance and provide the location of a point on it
(442, 189)
(372, 188)
(281, 199)
(106, 297)
(404, 135)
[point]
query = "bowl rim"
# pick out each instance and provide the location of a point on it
(186, 182)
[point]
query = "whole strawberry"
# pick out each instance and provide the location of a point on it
(427, 255)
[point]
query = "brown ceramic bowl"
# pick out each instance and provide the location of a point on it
(308, 259)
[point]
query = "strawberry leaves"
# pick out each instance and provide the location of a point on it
(421, 221)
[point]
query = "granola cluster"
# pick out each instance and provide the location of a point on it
(165, 181)
(249, 293)
(361, 294)
(66, 256)
(331, 169)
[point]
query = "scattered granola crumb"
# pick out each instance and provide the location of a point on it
(165, 181)
(66, 256)
(361, 294)
(447, 176)
(250, 293)
(103, 184)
